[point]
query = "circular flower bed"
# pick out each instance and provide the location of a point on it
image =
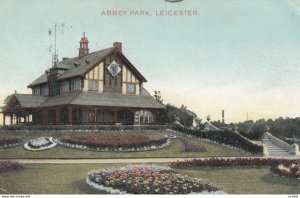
(114, 142)
(291, 170)
(8, 142)
(39, 144)
(142, 179)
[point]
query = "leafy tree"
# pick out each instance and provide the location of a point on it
(158, 97)
(172, 113)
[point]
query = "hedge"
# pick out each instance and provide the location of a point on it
(223, 137)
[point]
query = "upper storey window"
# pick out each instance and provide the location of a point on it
(65, 87)
(76, 84)
(45, 90)
(93, 85)
(131, 88)
(36, 91)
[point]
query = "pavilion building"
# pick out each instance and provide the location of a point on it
(98, 88)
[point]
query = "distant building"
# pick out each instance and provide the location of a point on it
(102, 87)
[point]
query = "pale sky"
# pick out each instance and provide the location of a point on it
(237, 55)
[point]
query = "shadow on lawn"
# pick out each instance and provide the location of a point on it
(86, 189)
(271, 178)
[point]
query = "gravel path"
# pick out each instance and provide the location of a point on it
(113, 161)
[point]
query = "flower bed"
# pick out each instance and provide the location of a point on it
(8, 142)
(193, 147)
(227, 162)
(39, 144)
(291, 169)
(114, 142)
(9, 165)
(144, 179)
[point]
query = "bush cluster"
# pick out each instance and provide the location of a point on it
(292, 171)
(224, 137)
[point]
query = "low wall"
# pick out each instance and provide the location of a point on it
(292, 149)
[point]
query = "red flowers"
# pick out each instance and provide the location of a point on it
(111, 141)
(192, 147)
(8, 141)
(218, 162)
(8, 165)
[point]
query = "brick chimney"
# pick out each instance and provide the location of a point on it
(84, 46)
(118, 45)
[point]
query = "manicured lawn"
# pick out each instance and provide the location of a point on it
(173, 150)
(246, 180)
(70, 179)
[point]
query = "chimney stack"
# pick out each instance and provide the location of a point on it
(118, 46)
(223, 116)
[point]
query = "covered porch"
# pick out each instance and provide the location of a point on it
(94, 115)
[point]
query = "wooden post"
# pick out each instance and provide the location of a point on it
(70, 115)
(154, 117)
(11, 119)
(115, 115)
(45, 116)
(95, 111)
(57, 115)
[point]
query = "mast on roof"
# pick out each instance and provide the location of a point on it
(54, 56)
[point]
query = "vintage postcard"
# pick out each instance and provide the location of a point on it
(189, 97)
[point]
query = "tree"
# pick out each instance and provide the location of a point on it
(158, 97)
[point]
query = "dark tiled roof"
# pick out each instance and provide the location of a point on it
(27, 100)
(103, 99)
(83, 64)
(116, 100)
(79, 66)
(62, 99)
(40, 80)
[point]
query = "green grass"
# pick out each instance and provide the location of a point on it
(70, 179)
(173, 150)
(246, 180)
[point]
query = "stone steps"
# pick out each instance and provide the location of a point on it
(275, 150)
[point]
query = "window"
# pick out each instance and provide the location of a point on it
(76, 85)
(143, 117)
(65, 87)
(130, 88)
(45, 90)
(93, 85)
(37, 91)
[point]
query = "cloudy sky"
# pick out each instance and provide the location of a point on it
(238, 55)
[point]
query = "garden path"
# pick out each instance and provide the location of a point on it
(117, 161)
